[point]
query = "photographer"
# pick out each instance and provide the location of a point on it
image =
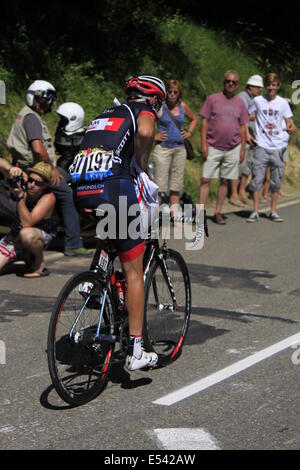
(31, 231)
(30, 141)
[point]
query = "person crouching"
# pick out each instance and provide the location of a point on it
(31, 231)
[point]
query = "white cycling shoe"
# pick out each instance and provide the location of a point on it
(147, 359)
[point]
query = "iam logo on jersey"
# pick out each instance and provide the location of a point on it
(106, 124)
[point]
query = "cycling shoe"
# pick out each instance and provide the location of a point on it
(147, 359)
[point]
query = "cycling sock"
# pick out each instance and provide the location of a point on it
(135, 346)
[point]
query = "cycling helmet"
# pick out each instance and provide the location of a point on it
(145, 86)
(72, 117)
(42, 90)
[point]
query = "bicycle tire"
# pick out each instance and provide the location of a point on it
(77, 364)
(165, 322)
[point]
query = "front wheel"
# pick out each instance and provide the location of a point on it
(78, 363)
(167, 306)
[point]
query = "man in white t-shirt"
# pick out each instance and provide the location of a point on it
(269, 111)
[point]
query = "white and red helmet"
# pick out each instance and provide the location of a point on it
(146, 86)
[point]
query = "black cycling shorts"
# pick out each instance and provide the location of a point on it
(117, 197)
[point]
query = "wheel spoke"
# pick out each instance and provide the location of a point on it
(78, 364)
(167, 307)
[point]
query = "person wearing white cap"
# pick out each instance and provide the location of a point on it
(253, 88)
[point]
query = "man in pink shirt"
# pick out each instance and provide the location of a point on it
(223, 139)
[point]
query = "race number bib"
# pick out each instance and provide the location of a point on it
(92, 165)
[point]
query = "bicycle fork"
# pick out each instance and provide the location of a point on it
(165, 273)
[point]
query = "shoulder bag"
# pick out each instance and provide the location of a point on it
(188, 145)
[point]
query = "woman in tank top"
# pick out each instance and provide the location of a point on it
(169, 154)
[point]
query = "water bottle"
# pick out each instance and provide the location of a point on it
(120, 284)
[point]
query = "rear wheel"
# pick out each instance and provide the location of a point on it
(78, 364)
(167, 307)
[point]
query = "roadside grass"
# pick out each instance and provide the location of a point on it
(194, 54)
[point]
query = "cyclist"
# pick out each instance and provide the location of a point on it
(101, 173)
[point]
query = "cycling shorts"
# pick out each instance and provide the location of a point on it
(117, 197)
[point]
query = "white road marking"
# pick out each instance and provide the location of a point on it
(185, 439)
(229, 371)
(6, 429)
(39, 374)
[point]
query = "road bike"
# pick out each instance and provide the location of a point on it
(88, 329)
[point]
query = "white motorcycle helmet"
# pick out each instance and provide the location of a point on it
(72, 117)
(42, 90)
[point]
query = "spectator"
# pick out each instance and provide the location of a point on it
(169, 155)
(31, 231)
(286, 158)
(239, 195)
(29, 141)
(269, 111)
(69, 134)
(223, 139)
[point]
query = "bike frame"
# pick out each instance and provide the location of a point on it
(153, 250)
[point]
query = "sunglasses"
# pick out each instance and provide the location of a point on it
(37, 183)
(235, 82)
(47, 96)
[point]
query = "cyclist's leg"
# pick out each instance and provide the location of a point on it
(134, 296)
(132, 266)
(134, 300)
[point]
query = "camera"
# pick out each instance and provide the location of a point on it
(13, 183)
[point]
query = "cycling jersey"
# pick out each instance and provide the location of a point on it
(101, 173)
(109, 145)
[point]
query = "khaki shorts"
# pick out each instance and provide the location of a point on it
(228, 161)
(169, 165)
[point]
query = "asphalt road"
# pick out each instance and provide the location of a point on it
(245, 297)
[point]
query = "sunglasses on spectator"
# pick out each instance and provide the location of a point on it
(36, 182)
(235, 82)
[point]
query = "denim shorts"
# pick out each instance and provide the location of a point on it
(264, 158)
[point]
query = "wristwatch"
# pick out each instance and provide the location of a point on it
(19, 198)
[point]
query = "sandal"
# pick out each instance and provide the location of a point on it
(34, 274)
(236, 202)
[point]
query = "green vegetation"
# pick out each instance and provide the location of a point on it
(170, 47)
